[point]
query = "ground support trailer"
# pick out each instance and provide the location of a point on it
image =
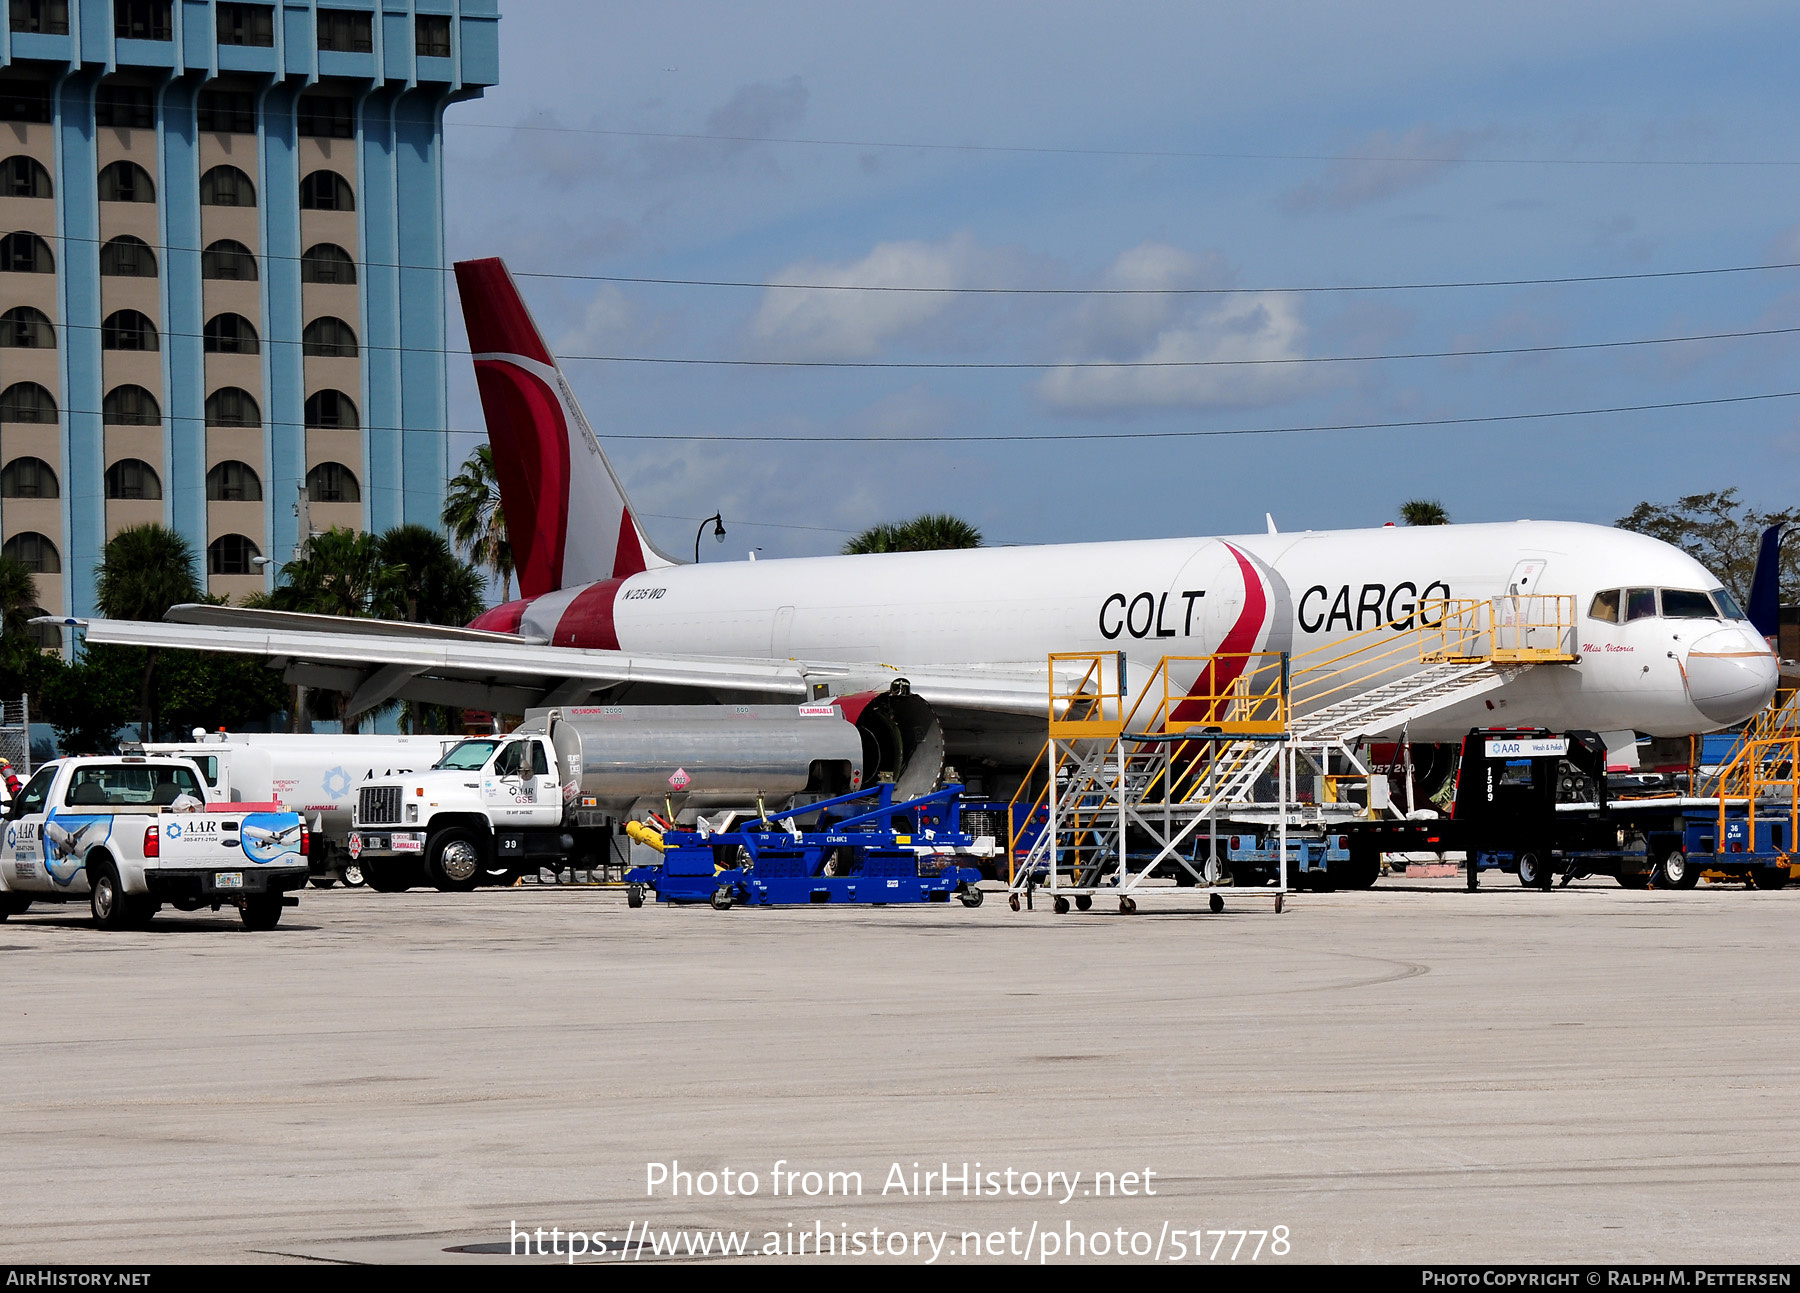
(1536, 803)
(909, 852)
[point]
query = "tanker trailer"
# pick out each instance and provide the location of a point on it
(559, 789)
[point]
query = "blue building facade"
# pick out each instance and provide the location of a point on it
(222, 285)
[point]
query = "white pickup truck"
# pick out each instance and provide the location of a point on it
(132, 833)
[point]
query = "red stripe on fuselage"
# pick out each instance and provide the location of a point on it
(502, 619)
(1241, 638)
(589, 620)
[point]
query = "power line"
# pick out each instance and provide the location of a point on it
(760, 285)
(1031, 365)
(1439, 159)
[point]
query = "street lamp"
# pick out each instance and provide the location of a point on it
(717, 521)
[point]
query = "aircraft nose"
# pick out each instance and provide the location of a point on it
(1731, 674)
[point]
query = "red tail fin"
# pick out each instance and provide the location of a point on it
(566, 513)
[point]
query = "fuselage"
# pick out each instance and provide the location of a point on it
(1658, 665)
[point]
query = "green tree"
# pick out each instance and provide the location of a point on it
(475, 519)
(88, 701)
(427, 581)
(339, 572)
(932, 532)
(144, 570)
(1424, 511)
(1722, 534)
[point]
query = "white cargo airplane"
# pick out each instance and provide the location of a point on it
(1660, 647)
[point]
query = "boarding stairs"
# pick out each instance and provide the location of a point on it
(1131, 778)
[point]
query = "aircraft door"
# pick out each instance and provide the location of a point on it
(1523, 616)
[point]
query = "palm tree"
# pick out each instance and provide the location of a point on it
(430, 583)
(144, 570)
(473, 516)
(932, 532)
(339, 572)
(1424, 511)
(18, 599)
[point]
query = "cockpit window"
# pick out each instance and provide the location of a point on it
(1640, 604)
(1605, 606)
(1727, 605)
(1680, 604)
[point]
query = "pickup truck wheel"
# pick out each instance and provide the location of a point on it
(352, 875)
(457, 861)
(107, 899)
(1534, 871)
(1676, 872)
(261, 913)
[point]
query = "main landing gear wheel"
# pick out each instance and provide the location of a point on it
(1083, 901)
(721, 899)
(1216, 904)
(1127, 907)
(1534, 871)
(1676, 872)
(1060, 906)
(634, 895)
(971, 897)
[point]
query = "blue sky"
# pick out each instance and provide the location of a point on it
(1264, 147)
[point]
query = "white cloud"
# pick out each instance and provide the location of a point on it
(610, 318)
(1196, 341)
(1384, 165)
(793, 324)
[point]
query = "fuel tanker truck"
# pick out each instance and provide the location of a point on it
(558, 790)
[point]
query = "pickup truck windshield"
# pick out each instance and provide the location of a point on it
(468, 756)
(130, 785)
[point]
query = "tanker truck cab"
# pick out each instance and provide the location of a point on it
(520, 784)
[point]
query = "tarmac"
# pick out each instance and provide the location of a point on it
(1408, 1074)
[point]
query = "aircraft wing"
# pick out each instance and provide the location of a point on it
(375, 661)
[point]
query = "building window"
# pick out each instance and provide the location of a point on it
(332, 410)
(23, 328)
(433, 35)
(233, 482)
(35, 552)
(345, 31)
(25, 253)
(41, 17)
(126, 182)
(24, 177)
(133, 478)
(27, 402)
(328, 338)
(22, 100)
(128, 330)
(332, 482)
(226, 186)
(232, 554)
(141, 20)
(228, 259)
(130, 406)
(227, 112)
(247, 24)
(231, 334)
(327, 116)
(327, 262)
(326, 191)
(127, 257)
(124, 107)
(29, 478)
(232, 406)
